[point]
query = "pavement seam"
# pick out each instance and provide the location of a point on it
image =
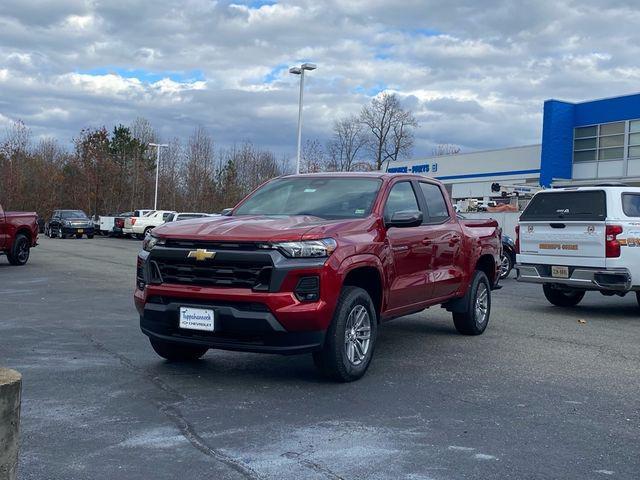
(174, 414)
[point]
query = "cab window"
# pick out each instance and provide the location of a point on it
(401, 198)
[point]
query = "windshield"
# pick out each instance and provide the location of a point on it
(323, 197)
(75, 214)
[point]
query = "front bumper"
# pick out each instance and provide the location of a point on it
(77, 230)
(268, 318)
(246, 327)
(585, 278)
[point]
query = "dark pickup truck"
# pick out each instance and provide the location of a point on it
(313, 263)
(18, 234)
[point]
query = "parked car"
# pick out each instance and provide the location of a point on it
(178, 216)
(143, 225)
(131, 221)
(118, 223)
(572, 240)
(507, 257)
(18, 234)
(312, 263)
(66, 223)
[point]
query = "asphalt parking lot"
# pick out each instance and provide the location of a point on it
(539, 395)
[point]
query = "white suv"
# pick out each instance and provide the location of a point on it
(576, 239)
(143, 225)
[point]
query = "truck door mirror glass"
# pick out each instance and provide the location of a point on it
(404, 219)
(226, 212)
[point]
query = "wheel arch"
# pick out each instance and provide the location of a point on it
(366, 273)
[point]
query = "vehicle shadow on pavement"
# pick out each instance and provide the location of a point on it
(218, 367)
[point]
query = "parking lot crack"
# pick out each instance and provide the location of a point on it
(172, 412)
(316, 467)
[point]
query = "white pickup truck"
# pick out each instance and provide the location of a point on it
(140, 227)
(572, 240)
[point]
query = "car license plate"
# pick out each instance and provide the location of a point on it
(197, 319)
(560, 272)
(80, 230)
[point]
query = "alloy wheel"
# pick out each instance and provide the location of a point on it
(482, 304)
(357, 335)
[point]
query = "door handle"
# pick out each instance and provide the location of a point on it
(426, 241)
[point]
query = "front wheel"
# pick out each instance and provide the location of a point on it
(177, 352)
(19, 253)
(473, 320)
(561, 297)
(350, 339)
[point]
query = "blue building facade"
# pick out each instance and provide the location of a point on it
(598, 139)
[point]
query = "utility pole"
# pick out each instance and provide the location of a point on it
(300, 71)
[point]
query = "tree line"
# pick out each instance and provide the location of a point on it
(112, 171)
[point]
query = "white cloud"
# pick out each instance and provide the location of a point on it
(475, 73)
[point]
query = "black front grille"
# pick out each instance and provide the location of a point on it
(255, 275)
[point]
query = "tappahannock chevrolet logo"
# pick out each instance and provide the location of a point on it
(201, 254)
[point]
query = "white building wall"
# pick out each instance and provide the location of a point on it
(471, 174)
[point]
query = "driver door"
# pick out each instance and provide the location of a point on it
(410, 254)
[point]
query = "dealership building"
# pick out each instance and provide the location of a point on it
(582, 143)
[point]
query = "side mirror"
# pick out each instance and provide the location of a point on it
(405, 219)
(226, 212)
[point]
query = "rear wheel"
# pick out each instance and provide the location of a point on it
(350, 339)
(177, 352)
(506, 265)
(19, 253)
(562, 297)
(475, 317)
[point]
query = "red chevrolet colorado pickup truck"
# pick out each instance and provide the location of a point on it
(18, 234)
(313, 263)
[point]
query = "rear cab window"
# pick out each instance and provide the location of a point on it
(631, 204)
(586, 205)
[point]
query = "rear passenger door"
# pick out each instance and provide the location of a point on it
(408, 284)
(443, 236)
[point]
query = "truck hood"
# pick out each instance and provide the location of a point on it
(249, 228)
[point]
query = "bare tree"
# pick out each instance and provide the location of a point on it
(198, 166)
(445, 149)
(345, 146)
(313, 159)
(390, 128)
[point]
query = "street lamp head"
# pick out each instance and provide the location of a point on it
(309, 66)
(295, 70)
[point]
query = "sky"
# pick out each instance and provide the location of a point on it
(475, 73)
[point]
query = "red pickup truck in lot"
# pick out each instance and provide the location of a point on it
(18, 234)
(313, 263)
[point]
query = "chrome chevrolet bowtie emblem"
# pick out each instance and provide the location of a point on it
(201, 254)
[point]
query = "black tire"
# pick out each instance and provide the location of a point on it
(638, 297)
(506, 265)
(562, 297)
(177, 352)
(334, 359)
(475, 317)
(147, 231)
(19, 253)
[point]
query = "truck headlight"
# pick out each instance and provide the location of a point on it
(307, 248)
(151, 241)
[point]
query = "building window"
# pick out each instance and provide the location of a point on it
(606, 142)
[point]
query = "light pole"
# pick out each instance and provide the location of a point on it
(300, 71)
(158, 146)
